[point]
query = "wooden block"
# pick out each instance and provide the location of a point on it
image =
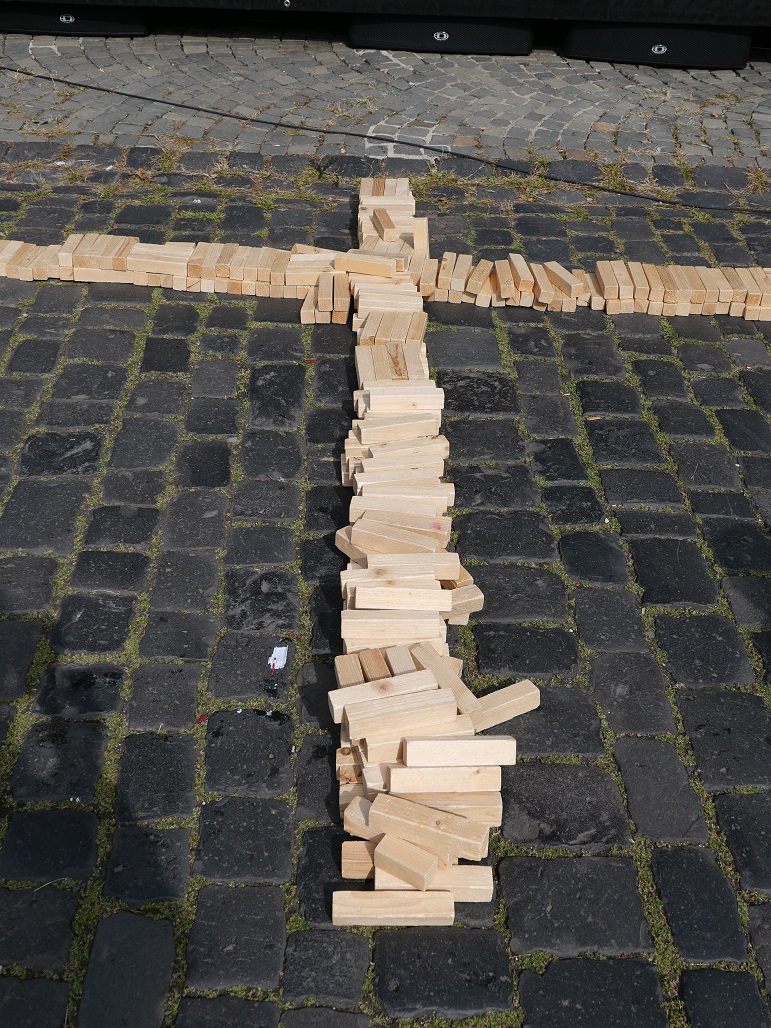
(596, 297)
(420, 235)
(486, 808)
(504, 704)
(607, 280)
(427, 284)
(381, 688)
(436, 526)
(347, 792)
(447, 835)
(410, 425)
(358, 860)
(522, 273)
(444, 565)
(639, 281)
(366, 263)
(400, 660)
(424, 657)
(385, 504)
(325, 293)
(417, 578)
(409, 908)
(378, 537)
(489, 750)
(308, 309)
(348, 671)
(446, 267)
(373, 665)
(738, 288)
(67, 250)
(748, 281)
(696, 285)
(479, 277)
(345, 545)
(386, 718)
(461, 272)
(456, 779)
(468, 883)
(375, 777)
(370, 596)
(356, 820)
(379, 750)
(416, 866)
(563, 279)
(543, 289)
(384, 225)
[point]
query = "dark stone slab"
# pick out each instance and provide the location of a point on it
(59, 760)
(318, 875)
(718, 392)
(208, 415)
(156, 777)
(263, 545)
(672, 572)
(714, 998)
(163, 696)
(703, 650)
(701, 464)
(527, 341)
(237, 938)
(524, 651)
(502, 536)
(539, 376)
(195, 520)
(623, 441)
(89, 382)
(148, 865)
(326, 507)
(274, 501)
(593, 557)
(463, 348)
(681, 420)
(746, 430)
(245, 840)
(591, 355)
(569, 906)
(319, 1017)
(660, 524)
(548, 416)
(26, 584)
(248, 754)
(593, 994)
(59, 453)
(242, 667)
(566, 722)
(704, 360)
(144, 443)
(317, 788)
(449, 972)
(47, 845)
(34, 357)
(167, 355)
(33, 1003)
(174, 634)
(609, 620)
(129, 971)
(478, 393)
(758, 384)
(93, 624)
(660, 378)
(108, 571)
(80, 692)
(730, 733)
(36, 927)
(280, 343)
(757, 472)
(720, 505)
(548, 805)
(225, 1012)
(750, 599)
(572, 505)
(261, 601)
(746, 821)
(632, 488)
(205, 463)
(276, 393)
(518, 593)
(557, 460)
(484, 487)
(184, 581)
(314, 685)
(608, 398)
(326, 967)
(41, 515)
(478, 439)
(137, 487)
(738, 546)
(760, 934)
(661, 801)
(123, 525)
(630, 690)
(700, 905)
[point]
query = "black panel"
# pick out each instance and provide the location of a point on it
(668, 46)
(65, 19)
(441, 35)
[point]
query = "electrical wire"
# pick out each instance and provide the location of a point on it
(381, 138)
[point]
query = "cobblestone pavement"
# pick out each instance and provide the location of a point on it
(497, 107)
(168, 827)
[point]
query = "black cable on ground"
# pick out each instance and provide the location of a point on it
(352, 134)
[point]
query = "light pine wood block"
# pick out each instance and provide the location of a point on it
(405, 908)
(348, 671)
(479, 778)
(468, 883)
(467, 702)
(356, 820)
(373, 665)
(400, 660)
(486, 808)
(439, 832)
(412, 864)
(356, 695)
(395, 715)
(358, 859)
(489, 750)
(504, 704)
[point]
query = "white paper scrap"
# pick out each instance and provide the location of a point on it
(277, 659)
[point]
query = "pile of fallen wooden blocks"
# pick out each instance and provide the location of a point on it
(417, 789)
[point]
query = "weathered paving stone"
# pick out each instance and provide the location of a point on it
(699, 904)
(623, 441)
(144, 443)
(745, 430)
(757, 472)
(273, 456)
(175, 319)
(565, 722)
(505, 536)
(738, 546)
(572, 505)
(750, 599)
(217, 377)
(248, 754)
(41, 515)
(123, 525)
(703, 651)
(194, 520)
(80, 692)
(276, 395)
(526, 341)
(525, 651)
(608, 619)
(184, 581)
(760, 934)
(169, 355)
(175, 634)
(630, 690)
(148, 865)
(319, 1017)
(327, 967)
(237, 938)
(660, 378)
(548, 416)
(557, 460)
(205, 463)
(58, 453)
(593, 993)
(547, 805)
(515, 592)
(719, 392)
(36, 927)
(89, 382)
(129, 972)
(632, 488)
(661, 801)
(59, 760)
(261, 601)
(136, 487)
(318, 875)
(6, 716)
(568, 906)
(47, 845)
(163, 697)
(704, 360)
(714, 997)
(681, 420)
(156, 777)
(262, 545)
(325, 425)
(746, 821)
(538, 376)
(33, 1003)
(108, 571)
(730, 733)
(245, 840)
(283, 343)
(758, 385)
(608, 398)
(723, 504)
(317, 792)
(208, 415)
(26, 584)
(241, 667)
(672, 572)
(225, 1012)
(463, 348)
(314, 685)
(478, 393)
(592, 355)
(449, 972)
(92, 624)
(483, 487)
(274, 501)
(326, 507)
(703, 465)
(482, 439)
(593, 557)
(34, 357)
(325, 606)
